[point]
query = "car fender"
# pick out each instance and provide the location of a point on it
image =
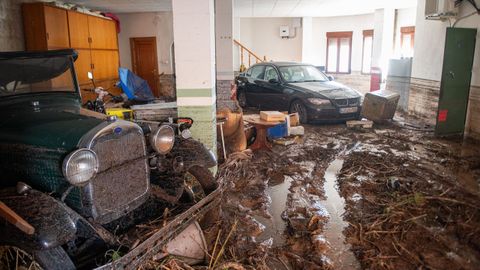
(53, 221)
(193, 153)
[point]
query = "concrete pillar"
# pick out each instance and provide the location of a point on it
(194, 39)
(224, 52)
(307, 40)
(383, 38)
(236, 50)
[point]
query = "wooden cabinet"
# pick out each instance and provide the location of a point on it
(48, 27)
(78, 30)
(45, 27)
(103, 33)
(105, 64)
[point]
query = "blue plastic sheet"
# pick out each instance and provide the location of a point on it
(134, 87)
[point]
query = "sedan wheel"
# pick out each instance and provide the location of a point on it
(298, 107)
(242, 99)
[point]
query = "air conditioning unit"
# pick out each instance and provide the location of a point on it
(284, 31)
(440, 9)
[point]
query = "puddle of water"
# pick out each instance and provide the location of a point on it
(339, 252)
(275, 226)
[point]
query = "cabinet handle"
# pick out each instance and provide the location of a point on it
(89, 40)
(48, 36)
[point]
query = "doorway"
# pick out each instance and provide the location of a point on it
(145, 61)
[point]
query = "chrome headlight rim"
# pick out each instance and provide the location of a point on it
(157, 139)
(68, 159)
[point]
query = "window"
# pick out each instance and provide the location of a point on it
(339, 52)
(407, 39)
(270, 73)
(367, 51)
(294, 74)
(257, 72)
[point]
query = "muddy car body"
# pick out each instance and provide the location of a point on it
(300, 88)
(67, 171)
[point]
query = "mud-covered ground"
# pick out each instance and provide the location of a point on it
(393, 197)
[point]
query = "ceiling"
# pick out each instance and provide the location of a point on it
(258, 8)
(313, 8)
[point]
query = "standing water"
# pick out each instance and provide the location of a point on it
(340, 253)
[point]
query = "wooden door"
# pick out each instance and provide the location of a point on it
(144, 61)
(105, 64)
(83, 65)
(78, 29)
(56, 25)
(103, 34)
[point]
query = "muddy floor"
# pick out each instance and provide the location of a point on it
(393, 197)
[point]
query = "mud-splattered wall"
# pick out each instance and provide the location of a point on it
(11, 26)
(427, 67)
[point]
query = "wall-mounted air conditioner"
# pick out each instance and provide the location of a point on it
(440, 9)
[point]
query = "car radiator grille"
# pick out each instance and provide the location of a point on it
(122, 181)
(347, 102)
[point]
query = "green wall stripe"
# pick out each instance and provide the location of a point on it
(200, 92)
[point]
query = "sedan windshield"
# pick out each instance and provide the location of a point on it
(35, 75)
(293, 74)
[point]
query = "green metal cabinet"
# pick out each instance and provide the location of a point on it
(455, 84)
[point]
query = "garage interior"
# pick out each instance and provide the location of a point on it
(388, 180)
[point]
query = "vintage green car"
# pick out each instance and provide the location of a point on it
(70, 173)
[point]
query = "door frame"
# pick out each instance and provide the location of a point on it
(134, 56)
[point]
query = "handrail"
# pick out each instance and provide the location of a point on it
(250, 54)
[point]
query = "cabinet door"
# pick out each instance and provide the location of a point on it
(56, 25)
(102, 33)
(78, 29)
(105, 64)
(83, 64)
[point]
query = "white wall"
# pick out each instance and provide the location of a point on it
(149, 24)
(337, 24)
(262, 36)
(430, 44)
(405, 17)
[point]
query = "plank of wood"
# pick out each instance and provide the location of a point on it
(12, 217)
(272, 116)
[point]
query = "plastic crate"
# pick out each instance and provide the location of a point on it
(278, 131)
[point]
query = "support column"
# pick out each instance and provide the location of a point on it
(224, 52)
(307, 40)
(383, 38)
(194, 39)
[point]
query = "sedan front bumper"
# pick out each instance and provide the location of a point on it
(330, 114)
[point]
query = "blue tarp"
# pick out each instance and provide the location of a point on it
(134, 87)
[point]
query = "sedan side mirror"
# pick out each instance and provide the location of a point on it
(273, 81)
(330, 78)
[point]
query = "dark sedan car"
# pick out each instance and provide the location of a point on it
(300, 88)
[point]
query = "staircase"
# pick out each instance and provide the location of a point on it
(244, 50)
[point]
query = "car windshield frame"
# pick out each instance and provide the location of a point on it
(27, 69)
(322, 78)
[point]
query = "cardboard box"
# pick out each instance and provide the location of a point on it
(272, 116)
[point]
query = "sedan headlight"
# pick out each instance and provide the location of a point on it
(319, 101)
(80, 166)
(162, 139)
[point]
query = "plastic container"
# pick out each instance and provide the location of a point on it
(121, 113)
(278, 131)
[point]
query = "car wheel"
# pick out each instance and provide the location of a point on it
(298, 107)
(199, 182)
(242, 99)
(18, 257)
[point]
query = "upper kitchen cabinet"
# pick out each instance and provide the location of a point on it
(45, 27)
(103, 33)
(78, 29)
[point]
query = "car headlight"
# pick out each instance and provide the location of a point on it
(319, 101)
(162, 139)
(80, 166)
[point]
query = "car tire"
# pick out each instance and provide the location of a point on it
(203, 180)
(49, 259)
(242, 99)
(298, 107)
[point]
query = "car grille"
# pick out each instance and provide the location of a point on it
(347, 102)
(122, 181)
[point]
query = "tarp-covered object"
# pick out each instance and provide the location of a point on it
(134, 87)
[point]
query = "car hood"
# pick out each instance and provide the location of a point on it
(58, 127)
(330, 90)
